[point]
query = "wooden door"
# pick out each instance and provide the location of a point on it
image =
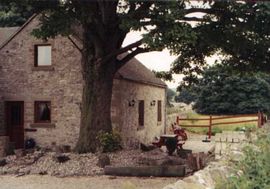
(15, 122)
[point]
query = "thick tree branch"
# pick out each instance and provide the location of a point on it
(108, 11)
(129, 56)
(185, 19)
(120, 51)
(193, 19)
(202, 10)
(91, 35)
(129, 47)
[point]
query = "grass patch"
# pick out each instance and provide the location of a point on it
(217, 128)
(175, 109)
(178, 108)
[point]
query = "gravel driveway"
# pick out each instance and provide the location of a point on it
(98, 182)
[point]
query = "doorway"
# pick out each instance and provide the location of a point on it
(15, 122)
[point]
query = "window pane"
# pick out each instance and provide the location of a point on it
(44, 55)
(43, 112)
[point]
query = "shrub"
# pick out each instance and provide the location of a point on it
(109, 142)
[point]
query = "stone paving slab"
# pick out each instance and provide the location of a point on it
(199, 146)
(196, 144)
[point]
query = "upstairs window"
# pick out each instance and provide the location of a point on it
(43, 55)
(43, 112)
(159, 111)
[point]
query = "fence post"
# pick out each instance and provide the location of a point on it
(259, 119)
(210, 127)
(262, 118)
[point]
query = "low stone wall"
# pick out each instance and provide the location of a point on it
(203, 179)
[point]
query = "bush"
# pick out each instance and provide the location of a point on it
(109, 142)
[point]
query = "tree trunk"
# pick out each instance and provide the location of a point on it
(98, 68)
(96, 103)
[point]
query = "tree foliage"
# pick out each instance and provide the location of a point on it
(170, 94)
(187, 95)
(11, 14)
(224, 91)
(238, 31)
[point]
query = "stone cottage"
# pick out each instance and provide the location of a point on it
(41, 91)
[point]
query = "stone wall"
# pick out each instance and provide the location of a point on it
(126, 117)
(62, 84)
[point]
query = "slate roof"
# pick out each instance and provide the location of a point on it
(6, 33)
(134, 70)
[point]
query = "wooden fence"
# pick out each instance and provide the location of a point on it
(260, 119)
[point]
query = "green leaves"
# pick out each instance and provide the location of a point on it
(109, 142)
(187, 95)
(14, 14)
(224, 91)
(53, 24)
(239, 31)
